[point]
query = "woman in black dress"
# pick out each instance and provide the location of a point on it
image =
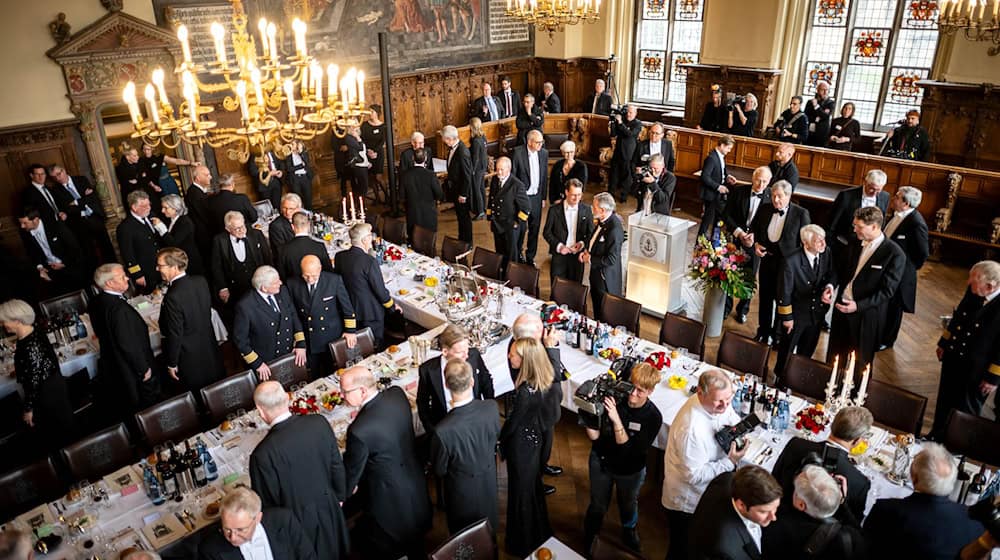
(373, 135)
(521, 441)
(47, 407)
(480, 159)
(178, 231)
(845, 129)
(565, 169)
(157, 172)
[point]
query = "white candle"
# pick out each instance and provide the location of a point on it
(996, 9)
(272, 34)
(351, 78)
(361, 88)
(863, 390)
(219, 35)
(151, 103)
(304, 82)
(944, 10)
(262, 28)
(290, 95)
(241, 93)
(317, 74)
(361, 199)
(182, 36)
(192, 104)
(128, 95)
(331, 77)
(257, 89)
(299, 27)
(343, 202)
(831, 385)
(158, 81)
(350, 195)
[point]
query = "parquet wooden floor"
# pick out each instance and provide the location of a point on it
(911, 365)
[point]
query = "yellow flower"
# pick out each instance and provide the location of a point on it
(677, 382)
(860, 448)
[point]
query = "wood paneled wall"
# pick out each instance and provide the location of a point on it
(762, 82)
(964, 123)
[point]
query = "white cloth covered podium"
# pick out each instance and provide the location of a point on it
(657, 261)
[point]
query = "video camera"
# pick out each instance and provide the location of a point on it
(733, 99)
(827, 459)
(726, 436)
(987, 513)
(589, 398)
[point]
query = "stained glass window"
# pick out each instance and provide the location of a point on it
(668, 34)
(871, 52)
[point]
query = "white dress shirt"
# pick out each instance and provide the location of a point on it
(989, 297)
(571, 213)
(144, 221)
(754, 206)
(533, 173)
(693, 457)
(752, 527)
(867, 201)
(239, 247)
(867, 250)
(444, 385)
(777, 224)
(47, 195)
(897, 218)
(722, 160)
(258, 547)
(654, 148)
(297, 161)
(39, 234)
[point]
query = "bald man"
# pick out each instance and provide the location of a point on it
(196, 198)
(325, 310)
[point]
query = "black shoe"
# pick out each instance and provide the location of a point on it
(631, 539)
(764, 338)
(882, 347)
(741, 318)
(552, 470)
(549, 489)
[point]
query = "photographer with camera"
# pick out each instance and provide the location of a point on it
(655, 181)
(847, 430)
(925, 524)
(625, 128)
(715, 117)
(618, 455)
(693, 457)
(793, 125)
(743, 115)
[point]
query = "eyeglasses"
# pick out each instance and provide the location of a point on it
(345, 391)
(241, 531)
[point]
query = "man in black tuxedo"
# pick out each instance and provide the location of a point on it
(840, 231)
(907, 229)
(190, 350)
(129, 374)
(969, 354)
(568, 228)
(510, 100)
(805, 292)
(487, 107)
(241, 514)
(728, 520)
(604, 250)
(289, 259)
(507, 211)
(363, 279)
(271, 188)
(459, 181)
(196, 198)
(530, 167)
(659, 184)
(550, 101)
(299, 173)
(54, 252)
(434, 398)
(808, 529)
(298, 466)
(325, 310)
(529, 117)
(267, 326)
(406, 157)
(236, 254)
(228, 200)
(138, 243)
(280, 231)
(715, 184)
(626, 132)
(925, 524)
(382, 464)
(38, 195)
(868, 280)
(774, 234)
(84, 214)
(743, 204)
(599, 102)
(656, 143)
(849, 427)
(422, 189)
(463, 448)
(783, 167)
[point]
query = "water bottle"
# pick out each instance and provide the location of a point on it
(738, 399)
(81, 329)
(152, 486)
(784, 412)
(211, 469)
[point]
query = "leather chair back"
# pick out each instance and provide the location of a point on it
(489, 263)
(807, 377)
(571, 294)
(679, 331)
(451, 248)
(229, 395)
(98, 454)
(973, 436)
(895, 407)
(73, 302)
(394, 230)
(171, 420)
(475, 542)
(29, 486)
(524, 276)
(284, 371)
(618, 311)
(424, 241)
(741, 354)
(342, 354)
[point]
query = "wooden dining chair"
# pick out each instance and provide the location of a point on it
(452, 247)
(285, 371)
(171, 420)
(424, 241)
(229, 395)
(342, 354)
(572, 294)
(524, 276)
(618, 311)
(896, 407)
(679, 331)
(489, 263)
(475, 542)
(741, 354)
(98, 454)
(394, 230)
(26, 487)
(73, 302)
(807, 377)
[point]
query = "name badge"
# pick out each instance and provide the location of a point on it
(877, 266)
(328, 298)
(634, 426)
(900, 237)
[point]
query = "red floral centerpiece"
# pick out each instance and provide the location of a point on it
(393, 254)
(811, 419)
(304, 405)
(659, 360)
(721, 265)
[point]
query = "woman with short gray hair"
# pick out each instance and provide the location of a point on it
(565, 169)
(47, 407)
(179, 231)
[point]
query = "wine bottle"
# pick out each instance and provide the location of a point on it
(195, 465)
(591, 340)
(211, 469)
(168, 479)
(961, 483)
(753, 398)
(81, 329)
(977, 487)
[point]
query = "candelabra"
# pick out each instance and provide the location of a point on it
(258, 85)
(554, 15)
(970, 17)
(835, 401)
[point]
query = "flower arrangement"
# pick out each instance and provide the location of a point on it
(677, 382)
(610, 354)
(811, 419)
(659, 360)
(722, 265)
(330, 400)
(393, 254)
(304, 405)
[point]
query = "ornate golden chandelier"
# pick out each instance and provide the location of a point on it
(554, 15)
(972, 19)
(259, 86)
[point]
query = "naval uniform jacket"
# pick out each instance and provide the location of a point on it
(262, 334)
(327, 313)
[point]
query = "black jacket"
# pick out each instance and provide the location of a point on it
(969, 342)
(364, 283)
(298, 466)
(603, 106)
(663, 192)
(789, 240)
(182, 236)
(138, 245)
(431, 404)
(820, 116)
(717, 531)
(508, 205)
(920, 526)
(423, 191)
(911, 236)
(481, 109)
(289, 260)
(550, 104)
(737, 213)
(279, 233)
(558, 179)
(526, 122)
(555, 230)
(788, 172)
(30, 196)
(800, 288)
(786, 539)
(188, 338)
(326, 314)
(627, 133)
(520, 168)
(515, 103)
(797, 124)
(126, 353)
(90, 199)
(262, 334)
(641, 156)
(841, 228)
(606, 257)
(228, 273)
(285, 536)
(713, 175)
(789, 464)
(406, 159)
(61, 242)
(459, 174)
(197, 202)
(381, 461)
(229, 201)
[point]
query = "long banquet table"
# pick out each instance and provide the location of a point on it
(129, 517)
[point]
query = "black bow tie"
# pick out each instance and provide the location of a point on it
(759, 196)
(239, 239)
(780, 212)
